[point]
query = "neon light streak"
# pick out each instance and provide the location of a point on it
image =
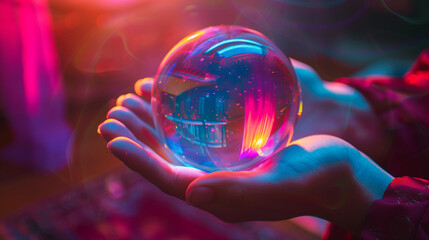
(238, 40)
(300, 109)
(193, 36)
(29, 62)
(258, 122)
(240, 49)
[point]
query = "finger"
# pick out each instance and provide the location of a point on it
(238, 196)
(143, 88)
(140, 129)
(112, 128)
(139, 107)
(168, 178)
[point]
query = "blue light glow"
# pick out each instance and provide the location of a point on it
(238, 40)
(240, 49)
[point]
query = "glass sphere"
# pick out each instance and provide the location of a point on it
(225, 98)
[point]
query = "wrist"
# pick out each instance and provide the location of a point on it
(365, 182)
(343, 201)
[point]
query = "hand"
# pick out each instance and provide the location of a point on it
(319, 175)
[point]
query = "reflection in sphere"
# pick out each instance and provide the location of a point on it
(225, 98)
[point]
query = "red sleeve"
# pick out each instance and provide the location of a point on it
(402, 213)
(402, 105)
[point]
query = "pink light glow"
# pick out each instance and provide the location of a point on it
(260, 110)
(48, 49)
(28, 29)
(31, 87)
(38, 56)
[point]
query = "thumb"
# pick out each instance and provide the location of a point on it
(234, 196)
(221, 187)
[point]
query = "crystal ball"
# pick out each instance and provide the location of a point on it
(225, 98)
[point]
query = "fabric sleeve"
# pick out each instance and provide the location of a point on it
(402, 213)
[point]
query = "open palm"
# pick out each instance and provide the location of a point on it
(317, 175)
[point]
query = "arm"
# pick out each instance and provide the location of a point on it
(400, 104)
(340, 111)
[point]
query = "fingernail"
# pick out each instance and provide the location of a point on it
(200, 195)
(119, 147)
(120, 99)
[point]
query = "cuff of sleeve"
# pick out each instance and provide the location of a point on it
(401, 213)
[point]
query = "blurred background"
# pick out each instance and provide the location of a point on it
(64, 62)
